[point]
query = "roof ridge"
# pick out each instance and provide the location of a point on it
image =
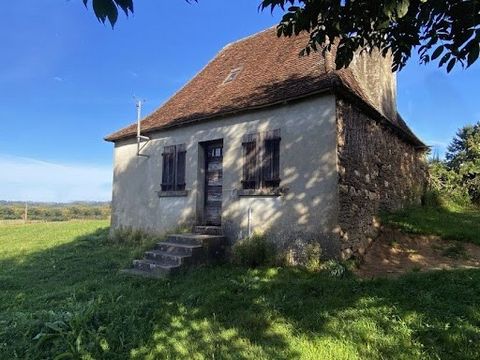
(247, 37)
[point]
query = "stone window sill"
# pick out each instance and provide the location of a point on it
(168, 194)
(276, 192)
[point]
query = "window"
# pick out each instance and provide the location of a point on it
(250, 162)
(232, 75)
(271, 165)
(261, 156)
(173, 174)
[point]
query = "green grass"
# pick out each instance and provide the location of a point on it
(61, 295)
(449, 222)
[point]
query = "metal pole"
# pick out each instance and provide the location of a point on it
(139, 116)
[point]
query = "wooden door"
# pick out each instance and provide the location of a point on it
(213, 183)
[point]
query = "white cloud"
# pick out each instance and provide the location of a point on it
(27, 179)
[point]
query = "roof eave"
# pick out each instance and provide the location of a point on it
(335, 86)
(213, 116)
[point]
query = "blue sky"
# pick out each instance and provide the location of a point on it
(66, 81)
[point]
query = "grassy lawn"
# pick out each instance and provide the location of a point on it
(449, 222)
(61, 295)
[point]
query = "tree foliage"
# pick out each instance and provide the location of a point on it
(458, 177)
(108, 9)
(463, 157)
(446, 183)
(446, 31)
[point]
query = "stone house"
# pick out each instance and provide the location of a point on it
(262, 140)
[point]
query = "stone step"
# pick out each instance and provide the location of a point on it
(178, 249)
(208, 230)
(192, 239)
(156, 267)
(166, 257)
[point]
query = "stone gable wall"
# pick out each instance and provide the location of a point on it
(377, 172)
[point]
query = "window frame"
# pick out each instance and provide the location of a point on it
(265, 159)
(174, 168)
(250, 162)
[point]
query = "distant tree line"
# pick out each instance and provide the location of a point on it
(16, 211)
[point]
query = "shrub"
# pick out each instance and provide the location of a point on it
(300, 250)
(445, 186)
(254, 251)
(334, 268)
(130, 236)
(431, 198)
(313, 253)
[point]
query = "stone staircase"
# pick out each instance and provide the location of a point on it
(179, 251)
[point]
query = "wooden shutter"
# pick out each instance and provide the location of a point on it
(271, 159)
(168, 170)
(180, 167)
(250, 178)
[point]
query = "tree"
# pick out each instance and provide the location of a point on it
(447, 31)
(463, 157)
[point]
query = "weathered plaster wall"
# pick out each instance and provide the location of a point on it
(377, 81)
(307, 212)
(377, 171)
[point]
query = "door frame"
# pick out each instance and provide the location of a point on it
(203, 169)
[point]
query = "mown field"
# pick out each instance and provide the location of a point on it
(61, 296)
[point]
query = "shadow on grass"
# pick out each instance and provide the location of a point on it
(71, 300)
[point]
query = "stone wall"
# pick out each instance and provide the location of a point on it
(377, 172)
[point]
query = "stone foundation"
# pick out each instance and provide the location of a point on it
(377, 172)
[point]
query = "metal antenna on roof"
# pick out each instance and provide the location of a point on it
(139, 104)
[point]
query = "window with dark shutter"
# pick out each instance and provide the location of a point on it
(173, 170)
(250, 161)
(261, 156)
(271, 159)
(180, 173)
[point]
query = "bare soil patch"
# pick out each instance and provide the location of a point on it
(395, 253)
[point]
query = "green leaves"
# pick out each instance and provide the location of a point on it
(450, 65)
(438, 51)
(108, 9)
(402, 8)
(473, 48)
(447, 31)
(449, 28)
(463, 158)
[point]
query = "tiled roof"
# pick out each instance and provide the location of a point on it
(267, 70)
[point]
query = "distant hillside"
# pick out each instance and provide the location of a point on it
(37, 211)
